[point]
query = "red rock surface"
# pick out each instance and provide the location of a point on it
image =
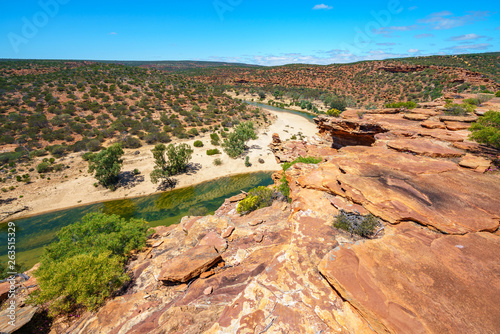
(190, 264)
(431, 269)
(424, 147)
(417, 281)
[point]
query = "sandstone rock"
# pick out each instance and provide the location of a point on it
(276, 138)
(237, 198)
(189, 264)
(454, 126)
(4, 291)
(157, 244)
(227, 232)
(397, 187)
(208, 291)
(213, 239)
(207, 274)
(258, 237)
(416, 281)
(467, 119)
(433, 125)
(473, 161)
(342, 204)
(416, 117)
(23, 316)
(424, 147)
(255, 222)
(349, 132)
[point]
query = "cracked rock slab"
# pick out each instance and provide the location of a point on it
(417, 281)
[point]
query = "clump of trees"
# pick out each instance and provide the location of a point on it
(170, 161)
(407, 105)
(106, 165)
(86, 264)
(234, 145)
(487, 129)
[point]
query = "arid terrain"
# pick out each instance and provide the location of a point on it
(424, 173)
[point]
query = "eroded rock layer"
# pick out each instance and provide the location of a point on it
(433, 266)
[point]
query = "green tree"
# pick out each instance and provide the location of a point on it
(86, 264)
(170, 160)
(234, 145)
(487, 129)
(107, 165)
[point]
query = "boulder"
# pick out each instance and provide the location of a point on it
(454, 126)
(227, 232)
(417, 281)
(433, 125)
(213, 239)
(474, 162)
(467, 119)
(424, 147)
(23, 316)
(189, 264)
(416, 117)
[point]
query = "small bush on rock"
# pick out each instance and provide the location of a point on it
(257, 198)
(355, 223)
(487, 129)
(198, 143)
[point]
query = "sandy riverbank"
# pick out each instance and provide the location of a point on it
(75, 186)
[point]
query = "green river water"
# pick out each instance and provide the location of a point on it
(167, 208)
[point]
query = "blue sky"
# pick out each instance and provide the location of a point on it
(256, 32)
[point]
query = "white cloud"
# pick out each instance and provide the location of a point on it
(423, 36)
(413, 50)
(466, 37)
(482, 46)
(113, 33)
(446, 20)
(322, 6)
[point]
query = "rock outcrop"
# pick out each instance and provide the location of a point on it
(432, 267)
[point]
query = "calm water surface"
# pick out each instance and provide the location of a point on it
(33, 233)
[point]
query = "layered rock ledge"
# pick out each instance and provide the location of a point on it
(433, 267)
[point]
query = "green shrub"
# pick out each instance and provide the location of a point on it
(334, 112)
(44, 167)
(214, 139)
(284, 187)
(217, 162)
(472, 101)
(355, 223)
(407, 105)
(86, 264)
(131, 142)
(487, 129)
(58, 167)
(257, 198)
(497, 94)
(247, 161)
(213, 151)
(304, 160)
(455, 109)
(198, 143)
(87, 156)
